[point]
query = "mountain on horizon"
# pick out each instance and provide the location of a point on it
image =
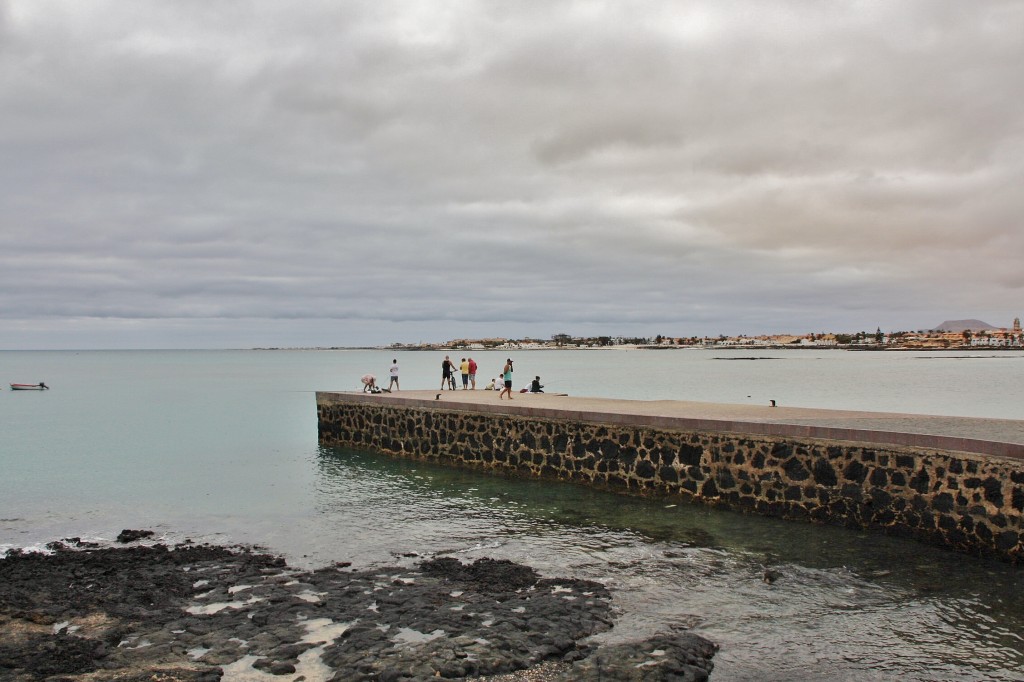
(963, 325)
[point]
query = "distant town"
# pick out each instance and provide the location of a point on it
(950, 335)
(940, 338)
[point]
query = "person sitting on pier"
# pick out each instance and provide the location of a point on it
(535, 385)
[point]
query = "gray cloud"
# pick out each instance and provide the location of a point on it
(243, 172)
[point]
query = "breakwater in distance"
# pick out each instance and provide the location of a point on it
(810, 465)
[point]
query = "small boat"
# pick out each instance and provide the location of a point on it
(30, 387)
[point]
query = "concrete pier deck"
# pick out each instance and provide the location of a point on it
(997, 437)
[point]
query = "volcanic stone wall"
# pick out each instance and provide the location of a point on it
(971, 503)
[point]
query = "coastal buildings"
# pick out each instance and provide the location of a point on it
(984, 336)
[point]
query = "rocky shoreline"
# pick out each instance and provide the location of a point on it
(202, 613)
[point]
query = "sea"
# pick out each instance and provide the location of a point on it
(221, 446)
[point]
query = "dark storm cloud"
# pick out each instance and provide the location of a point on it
(697, 168)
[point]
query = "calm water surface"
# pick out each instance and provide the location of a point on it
(221, 446)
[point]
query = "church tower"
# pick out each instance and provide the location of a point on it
(1016, 324)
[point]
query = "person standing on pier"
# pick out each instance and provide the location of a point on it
(507, 376)
(446, 373)
(464, 369)
(394, 375)
(472, 373)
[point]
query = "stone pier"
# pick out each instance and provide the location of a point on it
(955, 482)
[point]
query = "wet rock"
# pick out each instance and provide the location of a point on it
(222, 655)
(281, 669)
(491, 574)
(274, 667)
(126, 536)
(46, 655)
(183, 612)
(684, 657)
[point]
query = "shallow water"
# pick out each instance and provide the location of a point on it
(841, 603)
(221, 445)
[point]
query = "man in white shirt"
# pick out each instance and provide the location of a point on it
(394, 375)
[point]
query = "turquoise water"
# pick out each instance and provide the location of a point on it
(221, 446)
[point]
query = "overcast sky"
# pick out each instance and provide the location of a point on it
(244, 173)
